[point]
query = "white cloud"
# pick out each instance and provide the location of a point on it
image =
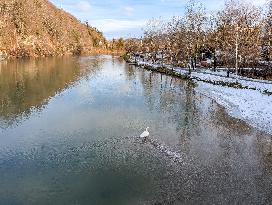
(209, 2)
(110, 25)
(128, 10)
(258, 2)
(83, 6)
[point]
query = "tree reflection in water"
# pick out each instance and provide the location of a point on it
(29, 84)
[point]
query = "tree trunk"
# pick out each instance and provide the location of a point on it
(162, 58)
(228, 73)
(194, 62)
(214, 63)
(190, 65)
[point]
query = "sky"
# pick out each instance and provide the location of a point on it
(126, 18)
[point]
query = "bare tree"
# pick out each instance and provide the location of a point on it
(267, 35)
(236, 37)
(195, 22)
(239, 31)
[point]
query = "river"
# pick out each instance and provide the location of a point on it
(69, 130)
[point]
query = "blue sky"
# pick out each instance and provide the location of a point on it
(126, 18)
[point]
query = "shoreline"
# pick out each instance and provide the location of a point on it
(243, 98)
(94, 52)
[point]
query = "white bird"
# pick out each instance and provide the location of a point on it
(145, 134)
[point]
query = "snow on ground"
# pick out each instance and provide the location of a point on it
(221, 75)
(249, 105)
(260, 85)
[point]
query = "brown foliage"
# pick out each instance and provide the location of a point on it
(31, 28)
(237, 36)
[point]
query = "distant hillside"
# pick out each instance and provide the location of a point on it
(32, 28)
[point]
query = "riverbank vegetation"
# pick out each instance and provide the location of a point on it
(237, 38)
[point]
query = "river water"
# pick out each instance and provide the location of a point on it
(69, 132)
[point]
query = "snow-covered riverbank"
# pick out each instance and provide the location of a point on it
(249, 105)
(244, 98)
(262, 86)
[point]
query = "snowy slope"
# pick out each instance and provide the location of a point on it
(248, 105)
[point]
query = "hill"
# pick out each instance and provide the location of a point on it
(33, 28)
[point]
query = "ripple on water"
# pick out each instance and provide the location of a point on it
(101, 171)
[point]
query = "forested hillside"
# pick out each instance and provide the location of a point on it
(32, 28)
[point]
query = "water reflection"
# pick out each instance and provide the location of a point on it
(27, 85)
(82, 147)
(219, 146)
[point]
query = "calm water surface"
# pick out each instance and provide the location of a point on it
(68, 135)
